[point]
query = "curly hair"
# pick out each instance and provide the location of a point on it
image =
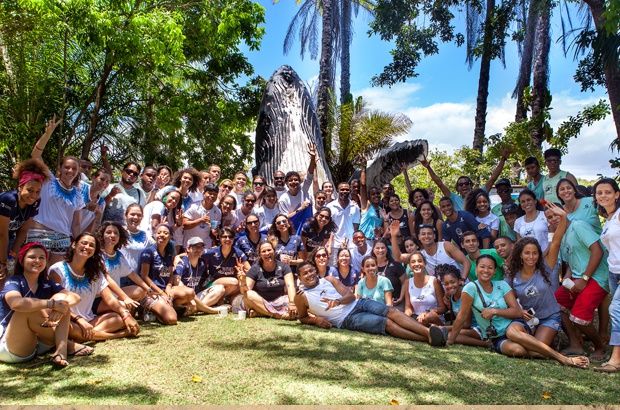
(123, 235)
(472, 198)
(94, 265)
(176, 180)
(422, 191)
(418, 220)
(445, 269)
(314, 224)
(515, 263)
(273, 230)
(32, 165)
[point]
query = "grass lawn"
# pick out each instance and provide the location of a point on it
(264, 361)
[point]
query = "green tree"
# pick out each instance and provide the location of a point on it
(359, 132)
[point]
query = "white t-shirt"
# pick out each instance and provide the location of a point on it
(289, 203)
(117, 266)
(491, 221)
(58, 206)
(196, 211)
(138, 242)
(344, 218)
(152, 208)
(87, 291)
(538, 229)
(266, 216)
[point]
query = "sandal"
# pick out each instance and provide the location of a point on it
(84, 351)
(600, 357)
(58, 361)
(579, 365)
(438, 335)
(607, 367)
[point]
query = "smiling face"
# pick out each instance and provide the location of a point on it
(446, 207)
(86, 167)
(417, 264)
(451, 284)
(164, 175)
(566, 191)
(418, 197)
(370, 267)
(252, 223)
(34, 261)
(485, 269)
(606, 196)
(227, 205)
(278, 180)
(282, 224)
(427, 236)
(133, 217)
(503, 247)
(321, 258)
(240, 182)
(530, 255)
(100, 182)
(470, 243)
(375, 196)
(528, 203)
(394, 203)
(248, 202)
(410, 246)
(85, 246)
(463, 186)
(343, 191)
(308, 276)
(380, 250)
(344, 258)
(426, 211)
(323, 218)
(482, 204)
(359, 240)
(328, 187)
(266, 252)
(162, 235)
(320, 200)
(271, 199)
(552, 219)
(186, 180)
(172, 199)
(30, 192)
(510, 219)
(111, 236)
(68, 171)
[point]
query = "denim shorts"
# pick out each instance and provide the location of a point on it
(7, 357)
(554, 322)
(499, 341)
(367, 316)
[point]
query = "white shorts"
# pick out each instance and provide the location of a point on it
(7, 357)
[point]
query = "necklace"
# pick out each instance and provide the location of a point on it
(575, 206)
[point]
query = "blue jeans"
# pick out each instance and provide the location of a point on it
(367, 316)
(614, 309)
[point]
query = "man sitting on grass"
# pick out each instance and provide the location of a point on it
(333, 304)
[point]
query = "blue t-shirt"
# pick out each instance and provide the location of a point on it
(220, 266)
(315, 239)
(378, 292)
(291, 247)
(453, 231)
(191, 275)
(351, 280)
(587, 212)
(45, 290)
(456, 308)
(249, 248)
(9, 208)
(160, 267)
(493, 300)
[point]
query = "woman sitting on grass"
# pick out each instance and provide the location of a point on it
(155, 270)
(82, 272)
(269, 288)
(372, 286)
(497, 312)
(319, 258)
(423, 294)
(34, 311)
(470, 334)
(113, 236)
(138, 240)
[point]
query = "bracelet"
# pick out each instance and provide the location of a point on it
(125, 317)
(76, 318)
(48, 304)
(37, 147)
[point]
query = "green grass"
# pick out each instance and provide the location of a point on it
(264, 361)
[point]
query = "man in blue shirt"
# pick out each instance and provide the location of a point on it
(459, 222)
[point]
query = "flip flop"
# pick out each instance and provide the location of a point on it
(600, 358)
(571, 353)
(84, 351)
(58, 361)
(578, 365)
(607, 367)
(438, 337)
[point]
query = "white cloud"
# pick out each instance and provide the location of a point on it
(448, 126)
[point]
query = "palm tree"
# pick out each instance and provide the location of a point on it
(325, 71)
(540, 92)
(357, 131)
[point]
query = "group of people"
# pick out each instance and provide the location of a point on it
(81, 258)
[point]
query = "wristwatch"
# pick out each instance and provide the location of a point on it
(586, 278)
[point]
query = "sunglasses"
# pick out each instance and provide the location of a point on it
(227, 186)
(503, 190)
(466, 183)
(279, 178)
(150, 175)
(281, 222)
(258, 183)
(252, 222)
(249, 201)
(321, 255)
(552, 160)
(321, 216)
(130, 172)
(226, 237)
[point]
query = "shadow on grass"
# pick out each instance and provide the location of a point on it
(26, 382)
(429, 375)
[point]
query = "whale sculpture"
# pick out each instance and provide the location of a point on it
(287, 122)
(387, 163)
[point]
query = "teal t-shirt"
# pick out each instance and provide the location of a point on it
(494, 300)
(378, 292)
(504, 228)
(457, 201)
(537, 188)
(575, 250)
(499, 272)
(587, 212)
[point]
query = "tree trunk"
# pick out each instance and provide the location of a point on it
(325, 71)
(94, 116)
(483, 80)
(345, 57)
(611, 69)
(527, 55)
(541, 73)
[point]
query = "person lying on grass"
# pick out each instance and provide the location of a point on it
(498, 314)
(82, 272)
(33, 311)
(333, 304)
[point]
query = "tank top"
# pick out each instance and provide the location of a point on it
(611, 239)
(423, 298)
(437, 259)
(549, 184)
(325, 289)
(403, 223)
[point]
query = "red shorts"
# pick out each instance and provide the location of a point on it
(581, 305)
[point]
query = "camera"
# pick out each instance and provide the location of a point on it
(490, 331)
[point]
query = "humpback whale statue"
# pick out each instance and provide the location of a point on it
(287, 122)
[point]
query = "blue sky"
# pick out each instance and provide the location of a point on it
(441, 101)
